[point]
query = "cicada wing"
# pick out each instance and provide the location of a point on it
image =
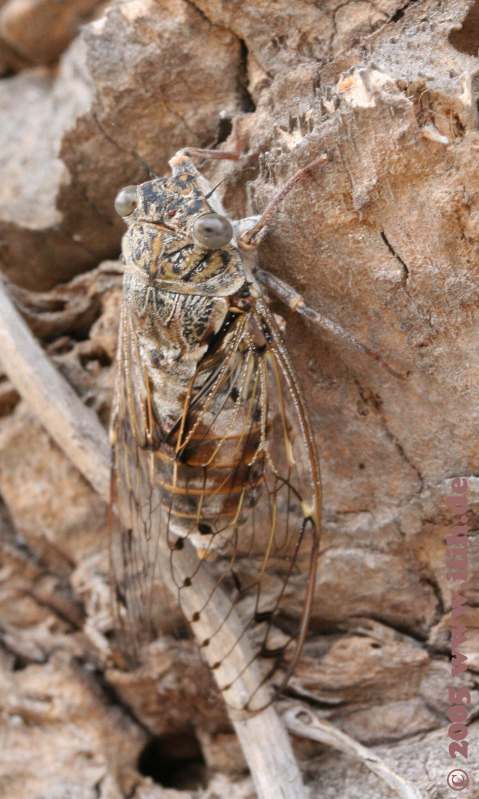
(264, 549)
(285, 568)
(156, 495)
(229, 523)
(143, 604)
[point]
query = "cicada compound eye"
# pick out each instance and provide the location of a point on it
(126, 201)
(212, 231)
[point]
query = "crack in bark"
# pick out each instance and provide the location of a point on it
(247, 103)
(402, 629)
(399, 14)
(112, 696)
(400, 448)
(376, 403)
(69, 611)
(440, 610)
(118, 146)
(131, 153)
(395, 254)
(97, 210)
(17, 654)
(180, 117)
(97, 787)
(200, 13)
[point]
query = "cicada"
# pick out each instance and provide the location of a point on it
(215, 471)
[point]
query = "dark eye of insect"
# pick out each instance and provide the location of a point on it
(212, 231)
(125, 201)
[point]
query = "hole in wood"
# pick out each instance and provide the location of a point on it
(174, 761)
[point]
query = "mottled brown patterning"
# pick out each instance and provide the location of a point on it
(212, 445)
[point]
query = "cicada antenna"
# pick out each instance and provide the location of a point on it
(248, 240)
(151, 172)
(212, 191)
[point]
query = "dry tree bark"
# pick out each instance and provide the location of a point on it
(382, 245)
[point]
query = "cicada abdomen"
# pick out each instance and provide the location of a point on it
(215, 470)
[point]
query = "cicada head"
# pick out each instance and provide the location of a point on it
(175, 204)
(175, 234)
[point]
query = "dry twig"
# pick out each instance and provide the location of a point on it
(303, 722)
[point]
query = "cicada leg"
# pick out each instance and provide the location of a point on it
(249, 240)
(294, 300)
(234, 154)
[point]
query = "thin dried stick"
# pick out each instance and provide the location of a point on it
(76, 429)
(52, 399)
(303, 722)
